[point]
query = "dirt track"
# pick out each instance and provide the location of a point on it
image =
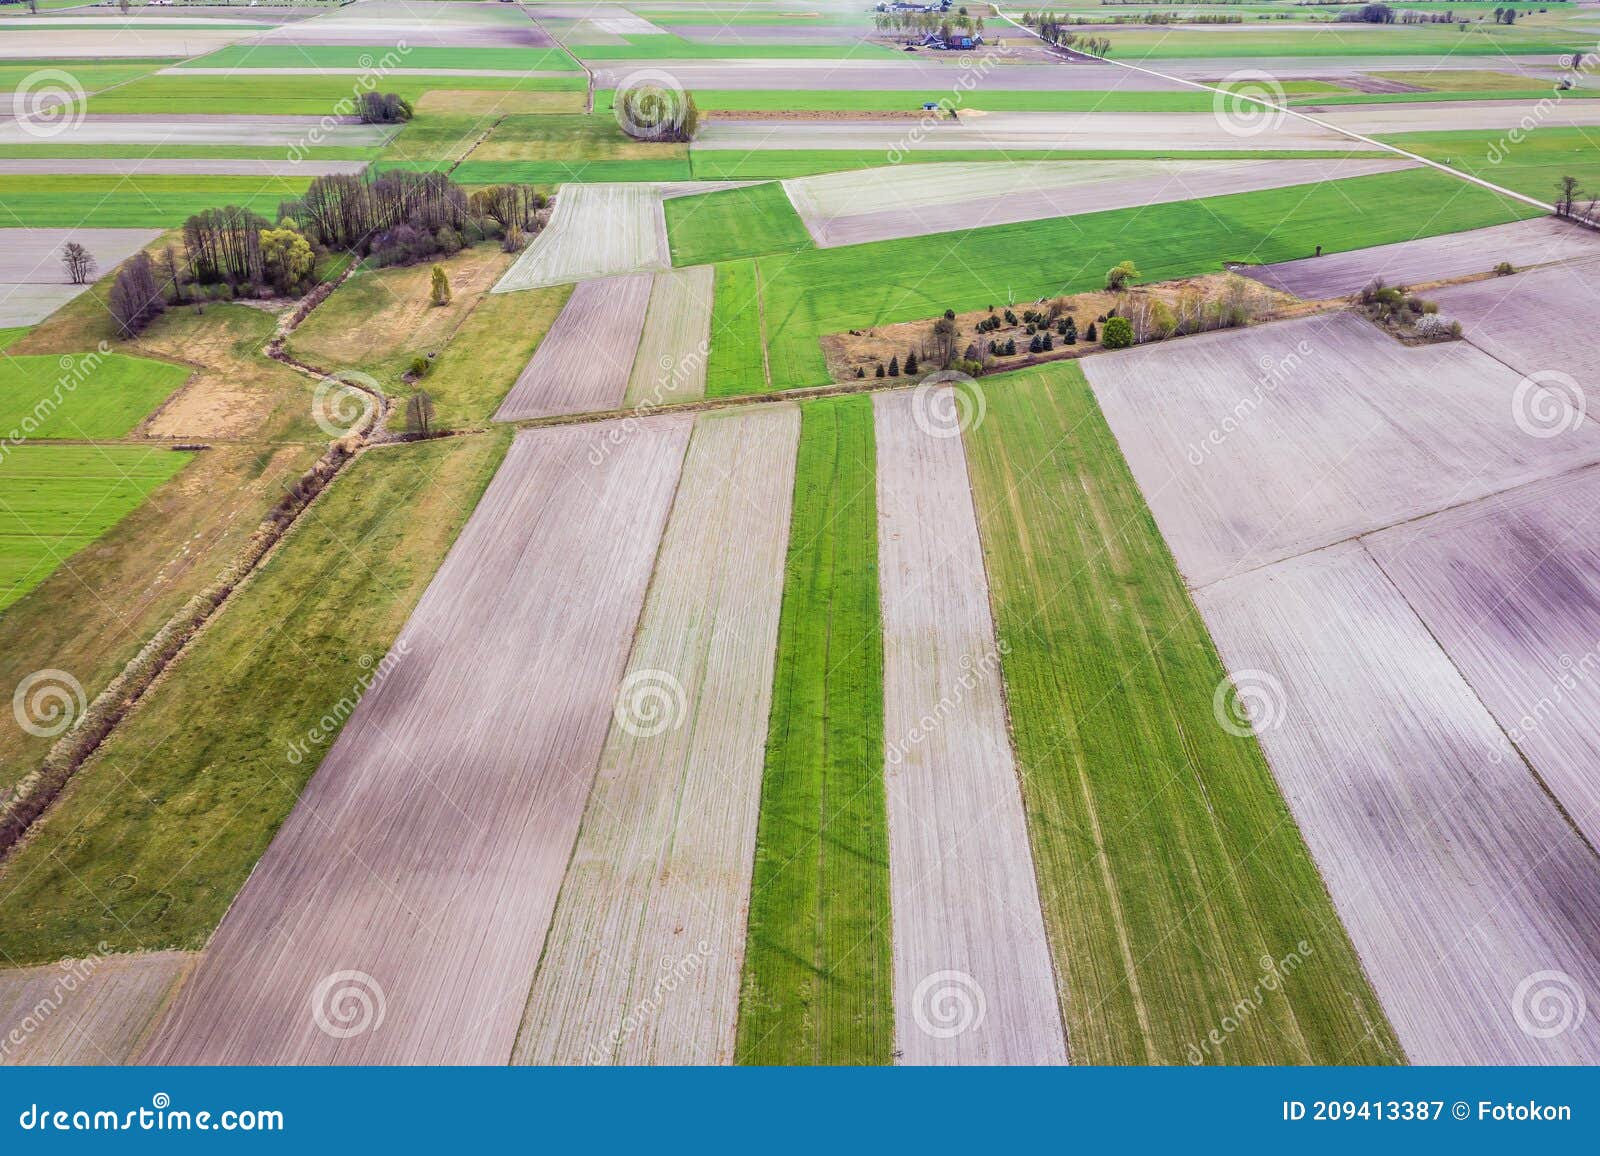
(643, 959)
(407, 895)
(973, 979)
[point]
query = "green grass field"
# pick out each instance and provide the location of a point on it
(54, 500)
(149, 845)
(1533, 165)
(555, 172)
(1169, 866)
(816, 291)
(711, 100)
(247, 56)
(156, 201)
(7, 336)
(817, 976)
(670, 47)
(1176, 43)
(91, 76)
(734, 364)
(246, 94)
(89, 396)
(782, 164)
(733, 223)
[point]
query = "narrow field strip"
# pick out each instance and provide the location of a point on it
(1456, 875)
(427, 851)
(745, 221)
(671, 362)
(817, 969)
(643, 958)
(110, 1002)
(968, 932)
(1174, 881)
(584, 362)
(596, 231)
(736, 362)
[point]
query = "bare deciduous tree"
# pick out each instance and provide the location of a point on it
(419, 413)
(79, 263)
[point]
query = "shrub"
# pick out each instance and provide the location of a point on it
(440, 292)
(879, 372)
(911, 363)
(1118, 334)
(1504, 269)
(420, 366)
(1089, 334)
(894, 365)
(1120, 275)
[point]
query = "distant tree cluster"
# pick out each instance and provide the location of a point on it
(136, 296)
(384, 108)
(657, 113)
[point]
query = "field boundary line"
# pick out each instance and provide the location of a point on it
(1309, 119)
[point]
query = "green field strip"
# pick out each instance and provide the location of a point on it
(711, 100)
(817, 983)
(735, 363)
(1529, 94)
(91, 76)
(17, 333)
(784, 164)
(733, 223)
(812, 292)
(669, 47)
(1169, 866)
(164, 825)
(246, 94)
(1174, 43)
(144, 201)
(88, 396)
(1533, 164)
(55, 500)
(385, 56)
(554, 172)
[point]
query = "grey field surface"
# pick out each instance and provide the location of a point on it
(1537, 322)
(1510, 587)
(968, 929)
(1254, 445)
(1448, 255)
(33, 282)
(595, 230)
(204, 130)
(23, 44)
(670, 364)
(1020, 130)
(885, 74)
(1455, 874)
(155, 165)
(653, 908)
(584, 362)
(424, 858)
(1458, 116)
(86, 1011)
(844, 208)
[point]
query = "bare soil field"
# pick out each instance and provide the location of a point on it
(584, 362)
(33, 283)
(595, 231)
(878, 73)
(643, 959)
(138, 129)
(1336, 67)
(1019, 130)
(154, 165)
(973, 979)
(1510, 588)
(1456, 115)
(1532, 242)
(1459, 881)
(1256, 445)
(840, 208)
(86, 1011)
(397, 916)
(671, 361)
(105, 43)
(1535, 321)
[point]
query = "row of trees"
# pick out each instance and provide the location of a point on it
(1055, 31)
